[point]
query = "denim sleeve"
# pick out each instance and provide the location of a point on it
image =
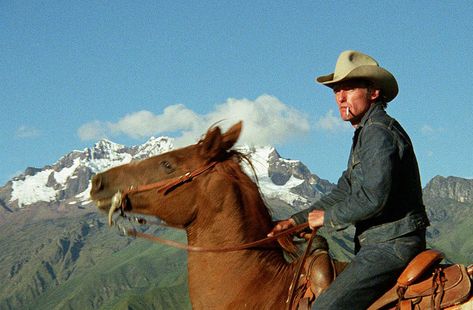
(371, 179)
(337, 195)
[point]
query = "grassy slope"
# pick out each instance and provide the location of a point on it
(139, 276)
(78, 263)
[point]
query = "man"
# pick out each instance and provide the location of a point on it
(380, 192)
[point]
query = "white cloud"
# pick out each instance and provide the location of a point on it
(27, 132)
(331, 123)
(431, 132)
(266, 120)
(428, 130)
(93, 131)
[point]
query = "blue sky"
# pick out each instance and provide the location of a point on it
(73, 72)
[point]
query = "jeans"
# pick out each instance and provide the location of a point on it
(373, 270)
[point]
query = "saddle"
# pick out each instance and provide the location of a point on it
(427, 284)
(318, 273)
(424, 283)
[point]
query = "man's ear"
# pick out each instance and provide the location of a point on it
(375, 94)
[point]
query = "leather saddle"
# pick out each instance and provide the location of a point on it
(424, 283)
(318, 273)
(427, 284)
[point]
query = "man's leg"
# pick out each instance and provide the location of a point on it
(373, 270)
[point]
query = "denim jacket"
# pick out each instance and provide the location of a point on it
(380, 193)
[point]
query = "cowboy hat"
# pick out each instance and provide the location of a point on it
(355, 65)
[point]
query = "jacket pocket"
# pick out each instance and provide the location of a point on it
(354, 164)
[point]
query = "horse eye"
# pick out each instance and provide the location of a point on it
(167, 166)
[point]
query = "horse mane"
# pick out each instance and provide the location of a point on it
(251, 194)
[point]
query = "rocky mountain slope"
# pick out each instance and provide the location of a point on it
(449, 202)
(58, 253)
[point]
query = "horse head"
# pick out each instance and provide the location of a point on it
(166, 185)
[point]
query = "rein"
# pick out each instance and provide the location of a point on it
(120, 198)
(134, 233)
(163, 186)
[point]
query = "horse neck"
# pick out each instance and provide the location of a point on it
(231, 210)
(241, 217)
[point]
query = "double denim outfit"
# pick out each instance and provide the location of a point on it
(380, 194)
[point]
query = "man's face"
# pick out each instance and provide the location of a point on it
(354, 99)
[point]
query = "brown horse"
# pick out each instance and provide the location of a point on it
(203, 189)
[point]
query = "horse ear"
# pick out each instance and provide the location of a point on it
(231, 136)
(212, 143)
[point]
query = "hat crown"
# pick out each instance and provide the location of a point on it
(350, 60)
(355, 65)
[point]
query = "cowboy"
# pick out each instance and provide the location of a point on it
(379, 193)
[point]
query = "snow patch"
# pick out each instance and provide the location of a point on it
(62, 176)
(260, 159)
(85, 195)
(101, 164)
(32, 189)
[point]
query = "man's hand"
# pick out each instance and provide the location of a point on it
(316, 219)
(282, 225)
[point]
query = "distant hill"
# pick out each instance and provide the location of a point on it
(58, 253)
(449, 203)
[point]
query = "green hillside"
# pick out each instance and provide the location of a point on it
(451, 228)
(79, 263)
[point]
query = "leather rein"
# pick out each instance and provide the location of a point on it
(231, 248)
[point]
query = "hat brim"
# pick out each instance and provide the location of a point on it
(381, 78)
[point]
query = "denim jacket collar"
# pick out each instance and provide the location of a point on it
(377, 106)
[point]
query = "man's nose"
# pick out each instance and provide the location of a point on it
(340, 95)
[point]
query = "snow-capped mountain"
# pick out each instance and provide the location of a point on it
(66, 183)
(285, 179)
(68, 180)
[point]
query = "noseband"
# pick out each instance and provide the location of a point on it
(164, 186)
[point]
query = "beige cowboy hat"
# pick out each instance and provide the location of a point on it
(355, 65)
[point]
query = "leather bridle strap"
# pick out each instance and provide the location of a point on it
(132, 232)
(166, 185)
(119, 200)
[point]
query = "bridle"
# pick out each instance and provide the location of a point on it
(119, 201)
(164, 186)
(120, 198)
